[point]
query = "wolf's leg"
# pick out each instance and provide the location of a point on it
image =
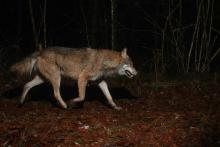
(51, 72)
(36, 81)
(82, 82)
(56, 87)
(104, 87)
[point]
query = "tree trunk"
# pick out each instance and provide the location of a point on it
(113, 24)
(33, 25)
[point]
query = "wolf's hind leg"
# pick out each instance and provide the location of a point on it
(56, 87)
(51, 72)
(36, 81)
(104, 87)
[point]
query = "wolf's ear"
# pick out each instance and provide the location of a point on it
(124, 53)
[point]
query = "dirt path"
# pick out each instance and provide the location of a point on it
(183, 115)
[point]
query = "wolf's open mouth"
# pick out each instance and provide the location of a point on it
(128, 74)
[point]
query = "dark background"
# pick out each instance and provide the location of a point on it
(86, 23)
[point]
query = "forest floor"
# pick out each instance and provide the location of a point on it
(172, 114)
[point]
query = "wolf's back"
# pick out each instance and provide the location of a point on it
(25, 66)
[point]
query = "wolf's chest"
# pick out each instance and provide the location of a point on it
(96, 76)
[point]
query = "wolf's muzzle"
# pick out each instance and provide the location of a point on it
(128, 74)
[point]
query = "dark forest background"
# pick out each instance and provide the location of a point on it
(162, 36)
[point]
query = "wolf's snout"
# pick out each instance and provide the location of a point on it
(130, 73)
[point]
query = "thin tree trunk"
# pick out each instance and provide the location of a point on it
(113, 24)
(94, 21)
(85, 23)
(45, 25)
(19, 21)
(33, 25)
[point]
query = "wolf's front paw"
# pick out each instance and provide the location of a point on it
(65, 107)
(117, 108)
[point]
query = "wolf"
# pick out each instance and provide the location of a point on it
(82, 65)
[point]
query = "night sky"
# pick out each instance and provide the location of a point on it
(82, 23)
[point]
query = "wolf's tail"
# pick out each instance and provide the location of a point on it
(25, 66)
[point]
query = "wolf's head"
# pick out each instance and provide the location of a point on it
(126, 67)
